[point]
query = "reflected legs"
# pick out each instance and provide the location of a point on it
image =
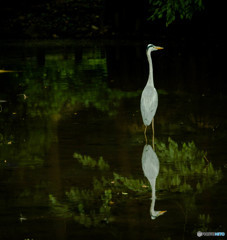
(145, 135)
(145, 130)
(153, 133)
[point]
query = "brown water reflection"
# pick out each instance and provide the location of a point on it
(85, 100)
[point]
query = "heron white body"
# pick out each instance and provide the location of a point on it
(149, 98)
(148, 104)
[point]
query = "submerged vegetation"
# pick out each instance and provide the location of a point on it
(183, 169)
(183, 163)
(90, 162)
(81, 205)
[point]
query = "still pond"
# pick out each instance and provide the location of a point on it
(73, 159)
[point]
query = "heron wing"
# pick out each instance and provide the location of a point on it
(148, 104)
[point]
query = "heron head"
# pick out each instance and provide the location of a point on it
(157, 214)
(152, 47)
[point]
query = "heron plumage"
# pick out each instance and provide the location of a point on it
(148, 104)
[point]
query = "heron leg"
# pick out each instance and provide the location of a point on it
(153, 133)
(145, 130)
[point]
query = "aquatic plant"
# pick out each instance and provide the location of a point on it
(90, 162)
(82, 206)
(173, 152)
(125, 183)
(181, 164)
(60, 209)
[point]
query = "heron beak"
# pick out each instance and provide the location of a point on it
(159, 48)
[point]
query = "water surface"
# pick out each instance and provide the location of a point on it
(62, 98)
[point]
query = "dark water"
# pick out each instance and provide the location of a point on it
(64, 105)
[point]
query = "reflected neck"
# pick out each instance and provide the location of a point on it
(153, 183)
(150, 81)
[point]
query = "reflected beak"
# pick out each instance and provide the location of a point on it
(162, 212)
(159, 48)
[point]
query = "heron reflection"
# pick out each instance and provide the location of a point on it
(150, 165)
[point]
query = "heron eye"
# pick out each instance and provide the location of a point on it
(149, 46)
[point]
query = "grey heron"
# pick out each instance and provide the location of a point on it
(150, 165)
(149, 97)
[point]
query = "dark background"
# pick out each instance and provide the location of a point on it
(202, 36)
(105, 19)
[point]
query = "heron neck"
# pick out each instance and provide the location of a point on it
(150, 81)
